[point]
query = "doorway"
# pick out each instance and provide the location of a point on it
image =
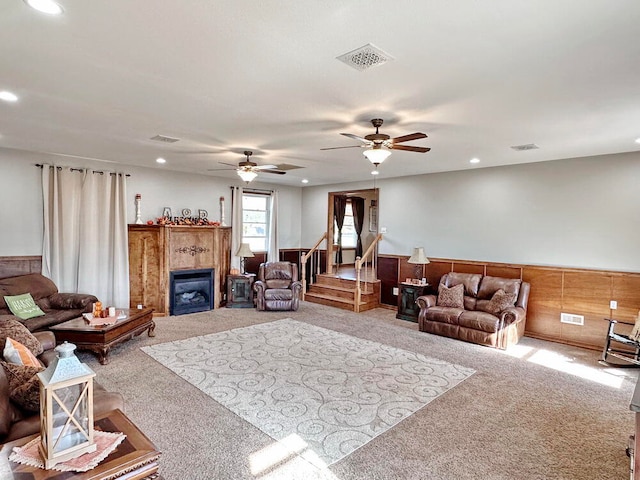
(343, 259)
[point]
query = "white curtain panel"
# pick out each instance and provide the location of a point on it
(236, 225)
(85, 246)
(273, 251)
(61, 191)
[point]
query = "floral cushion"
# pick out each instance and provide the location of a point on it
(24, 385)
(500, 301)
(451, 297)
(11, 327)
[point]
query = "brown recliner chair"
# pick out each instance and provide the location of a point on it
(278, 287)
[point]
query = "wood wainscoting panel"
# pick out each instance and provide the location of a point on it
(625, 289)
(435, 270)
(252, 264)
(503, 271)
(22, 265)
(545, 301)
(586, 293)
(388, 270)
(464, 267)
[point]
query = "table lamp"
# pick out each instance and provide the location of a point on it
(418, 258)
(244, 251)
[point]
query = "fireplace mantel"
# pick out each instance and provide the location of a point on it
(157, 250)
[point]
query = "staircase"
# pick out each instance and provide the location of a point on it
(358, 291)
(342, 293)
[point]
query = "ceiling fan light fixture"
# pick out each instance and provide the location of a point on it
(376, 155)
(246, 175)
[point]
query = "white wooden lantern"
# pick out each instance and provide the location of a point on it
(66, 408)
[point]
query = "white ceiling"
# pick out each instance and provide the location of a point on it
(476, 76)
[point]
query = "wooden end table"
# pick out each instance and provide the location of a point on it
(100, 338)
(136, 458)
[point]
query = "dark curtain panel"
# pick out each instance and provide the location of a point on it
(339, 207)
(357, 206)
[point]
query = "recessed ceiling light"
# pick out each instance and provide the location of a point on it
(45, 6)
(160, 160)
(474, 160)
(375, 172)
(638, 140)
(8, 96)
(304, 180)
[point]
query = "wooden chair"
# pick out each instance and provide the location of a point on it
(621, 346)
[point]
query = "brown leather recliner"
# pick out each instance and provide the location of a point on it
(277, 287)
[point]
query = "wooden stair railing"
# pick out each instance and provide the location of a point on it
(315, 262)
(369, 269)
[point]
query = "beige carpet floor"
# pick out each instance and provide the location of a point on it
(539, 411)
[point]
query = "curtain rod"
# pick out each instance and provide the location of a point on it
(75, 169)
(252, 190)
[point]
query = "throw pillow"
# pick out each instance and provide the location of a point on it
(24, 385)
(10, 327)
(500, 301)
(451, 297)
(23, 306)
(15, 352)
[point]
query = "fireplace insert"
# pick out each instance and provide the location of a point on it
(191, 291)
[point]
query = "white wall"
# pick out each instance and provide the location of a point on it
(581, 213)
(21, 198)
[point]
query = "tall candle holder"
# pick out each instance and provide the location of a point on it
(138, 212)
(222, 212)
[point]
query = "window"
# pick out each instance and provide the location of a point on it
(255, 221)
(349, 236)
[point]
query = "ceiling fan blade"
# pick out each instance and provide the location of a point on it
(230, 164)
(277, 172)
(220, 169)
(408, 138)
(264, 167)
(350, 146)
(356, 137)
(409, 148)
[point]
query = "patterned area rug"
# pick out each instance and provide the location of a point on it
(321, 393)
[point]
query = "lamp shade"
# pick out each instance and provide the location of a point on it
(246, 175)
(376, 155)
(244, 251)
(418, 256)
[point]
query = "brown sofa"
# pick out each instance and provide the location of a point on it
(16, 422)
(58, 307)
(473, 322)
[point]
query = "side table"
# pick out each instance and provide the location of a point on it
(240, 291)
(135, 458)
(407, 308)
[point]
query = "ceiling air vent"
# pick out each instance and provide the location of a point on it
(165, 139)
(365, 57)
(528, 146)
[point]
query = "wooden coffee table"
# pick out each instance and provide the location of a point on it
(100, 338)
(136, 458)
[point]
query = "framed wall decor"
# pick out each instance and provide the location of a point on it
(373, 218)
(166, 212)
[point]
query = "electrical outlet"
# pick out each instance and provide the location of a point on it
(383, 229)
(395, 291)
(613, 304)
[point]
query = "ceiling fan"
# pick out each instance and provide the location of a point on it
(248, 170)
(380, 145)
